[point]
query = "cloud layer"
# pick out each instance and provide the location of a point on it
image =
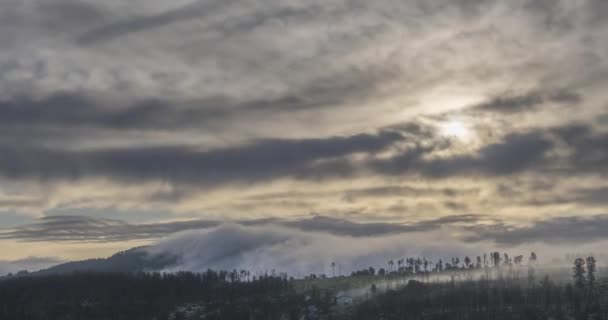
(465, 228)
(247, 110)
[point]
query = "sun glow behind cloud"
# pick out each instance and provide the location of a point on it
(456, 129)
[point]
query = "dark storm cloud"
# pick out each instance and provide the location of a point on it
(260, 160)
(529, 101)
(572, 230)
(89, 229)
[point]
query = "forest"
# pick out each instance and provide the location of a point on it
(491, 286)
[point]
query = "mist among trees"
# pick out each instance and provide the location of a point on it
(491, 285)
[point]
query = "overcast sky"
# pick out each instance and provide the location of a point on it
(119, 118)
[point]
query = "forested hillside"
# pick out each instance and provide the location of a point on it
(498, 291)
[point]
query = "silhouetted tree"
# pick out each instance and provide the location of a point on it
(532, 258)
(578, 273)
(496, 259)
(591, 268)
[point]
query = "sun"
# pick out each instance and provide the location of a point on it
(456, 129)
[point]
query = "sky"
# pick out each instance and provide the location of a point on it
(478, 123)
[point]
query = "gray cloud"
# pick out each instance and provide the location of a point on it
(586, 196)
(353, 229)
(513, 103)
(478, 228)
(571, 230)
(516, 153)
(588, 148)
(194, 10)
(89, 229)
(261, 160)
(529, 101)
(595, 196)
(270, 159)
(388, 191)
(64, 111)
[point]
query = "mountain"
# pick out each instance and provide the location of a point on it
(129, 261)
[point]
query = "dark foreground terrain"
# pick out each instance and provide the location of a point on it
(462, 294)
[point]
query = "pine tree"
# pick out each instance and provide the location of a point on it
(579, 273)
(591, 268)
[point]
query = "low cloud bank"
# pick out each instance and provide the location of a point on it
(270, 247)
(265, 248)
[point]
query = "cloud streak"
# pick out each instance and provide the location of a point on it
(473, 228)
(529, 102)
(88, 229)
(194, 10)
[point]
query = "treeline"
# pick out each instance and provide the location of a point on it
(239, 295)
(583, 299)
(145, 296)
(417, 265)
